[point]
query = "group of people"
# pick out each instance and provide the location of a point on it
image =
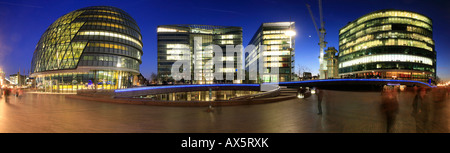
(8, 91)
(422, 106)
(390, 104)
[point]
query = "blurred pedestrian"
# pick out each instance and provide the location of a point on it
(416, 102)
(319, 93)
(422, 112)
(20, 92)
(389, 106)
(7, 91)
(13, 91)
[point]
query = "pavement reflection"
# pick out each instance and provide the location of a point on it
(413, 110)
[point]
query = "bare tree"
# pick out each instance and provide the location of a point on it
(154, 77)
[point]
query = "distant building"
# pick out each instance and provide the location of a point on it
(176, 40)
(30, 82)
(307, 76)
(279, 52)
(315, 77)
(141, 80)
(18, 79)
(391, 44)
(332, 63)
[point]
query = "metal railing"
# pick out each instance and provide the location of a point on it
(271, 93)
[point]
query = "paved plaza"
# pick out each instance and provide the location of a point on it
(343, 111)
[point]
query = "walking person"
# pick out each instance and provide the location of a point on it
(20, 92)
(416, 102)
(16, 92)
(7, 91)
(319, 93)
(425, 112)
(389, 106)
(420, 111)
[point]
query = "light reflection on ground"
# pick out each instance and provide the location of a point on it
(200, 95)
(343, 111)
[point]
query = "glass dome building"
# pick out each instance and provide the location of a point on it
(97, 47)
(392, 44)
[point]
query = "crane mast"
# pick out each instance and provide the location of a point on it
(322, 43)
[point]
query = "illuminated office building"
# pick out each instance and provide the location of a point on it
(18, 79)
(176, 40)
(391, 44)
(278, 37)
(97, 47)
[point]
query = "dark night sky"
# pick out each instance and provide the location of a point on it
(22, 22)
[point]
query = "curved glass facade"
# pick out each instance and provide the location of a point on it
(388, 44)
(97, 47)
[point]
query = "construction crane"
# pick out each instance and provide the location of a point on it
(322, 43)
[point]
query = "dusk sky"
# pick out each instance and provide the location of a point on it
(22, 22)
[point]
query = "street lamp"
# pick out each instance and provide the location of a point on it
(291, 33)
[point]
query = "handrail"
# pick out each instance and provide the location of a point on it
(259, 95)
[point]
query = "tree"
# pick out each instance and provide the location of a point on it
(154, 77)
(162, 78)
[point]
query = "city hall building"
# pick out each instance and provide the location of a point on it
(97, 47)
(391, 44)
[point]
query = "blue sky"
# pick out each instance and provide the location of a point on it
(22, 22)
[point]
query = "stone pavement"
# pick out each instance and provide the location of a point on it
(343, 112)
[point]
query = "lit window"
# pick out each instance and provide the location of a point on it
(224, 42)
(227, 36)
(229, 58)
(227, 70)
(173, 57)
(105, 24)
(177, 46)
(110, 34)
(387, 58)
(177, 51)
(266, 53)
(162, 29)
(101, 16)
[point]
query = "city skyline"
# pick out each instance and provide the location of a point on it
(18, 37)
